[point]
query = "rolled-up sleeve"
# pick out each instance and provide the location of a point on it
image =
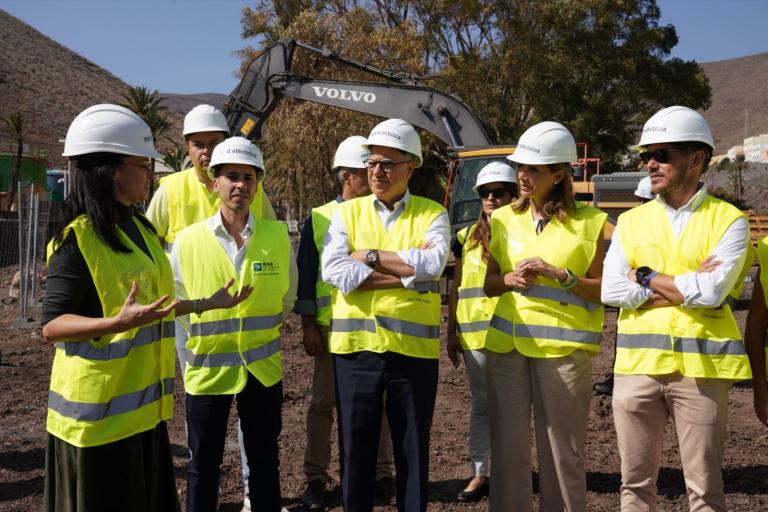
(428, 264)
(338, 268)
(617, 289)
(710, 289)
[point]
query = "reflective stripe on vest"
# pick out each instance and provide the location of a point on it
(119, 349)
(406, 321)
(689, 345)
(121, 384)
(545, 332)
(189, 201)
(233, 358)
(562, 297)
(119, 404)
(473, 308)
(224, 345)
(321, 221)
(228, 325)
(697, 342)
(545, 320)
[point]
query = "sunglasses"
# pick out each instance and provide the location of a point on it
(497, 192)
(662, 156)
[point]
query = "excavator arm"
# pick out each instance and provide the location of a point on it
(268, 78)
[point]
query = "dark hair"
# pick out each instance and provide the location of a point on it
(482, 232)
(560, 202)
(697, 146)
(92, 194)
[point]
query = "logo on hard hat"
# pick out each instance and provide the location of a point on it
(242, 152)
(385, 134)
(655, 129)
(529, 148)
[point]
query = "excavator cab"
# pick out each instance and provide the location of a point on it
(463, 203)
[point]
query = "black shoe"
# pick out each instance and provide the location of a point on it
(475, 495)
(605, 387)
(314, 496)
(386, 490)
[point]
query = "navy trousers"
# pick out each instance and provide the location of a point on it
(410, 383)
(259, 410)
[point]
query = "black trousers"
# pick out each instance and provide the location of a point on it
(259, 410)
(411, 385)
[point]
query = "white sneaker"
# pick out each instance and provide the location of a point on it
(247, 505)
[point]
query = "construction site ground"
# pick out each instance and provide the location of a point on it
(25, 366)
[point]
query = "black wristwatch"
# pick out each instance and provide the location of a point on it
(643, 276)
(372, 258)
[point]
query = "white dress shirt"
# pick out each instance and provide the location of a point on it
(237, 257)
(699, 289)
(346, 274)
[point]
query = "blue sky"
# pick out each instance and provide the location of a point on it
(185, 46)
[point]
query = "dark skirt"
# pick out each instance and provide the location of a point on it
(133, 474)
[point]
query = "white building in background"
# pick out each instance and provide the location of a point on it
(756, 148)
(735, 151)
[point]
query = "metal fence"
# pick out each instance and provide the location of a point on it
(23, 237)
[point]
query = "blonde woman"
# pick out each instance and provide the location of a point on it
(545, 265)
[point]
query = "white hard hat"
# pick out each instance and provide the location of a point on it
(112, 129)
(543, 144)
(495, 172)
(236, 150)
(351, 153)
(675, 124)
(644, 188)
(398, 134)
(205, 118)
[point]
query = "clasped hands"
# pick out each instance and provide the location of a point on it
(528, 269)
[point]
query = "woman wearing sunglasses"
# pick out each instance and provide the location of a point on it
(545, 265)
(469, 314)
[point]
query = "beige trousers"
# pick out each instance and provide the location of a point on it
(642, 405)
(559, 391)
(322, 405)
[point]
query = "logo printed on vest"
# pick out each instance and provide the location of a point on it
(265, 268)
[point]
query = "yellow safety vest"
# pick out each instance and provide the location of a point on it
(321, 221)
(189, 201)
(106, 389)
(225, 344)
(545, 320)
(762, 259)
(697, 342)
(406, 321)
(473, 309)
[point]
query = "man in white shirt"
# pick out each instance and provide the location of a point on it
(672, 263)
(235, 354)
(384, 254)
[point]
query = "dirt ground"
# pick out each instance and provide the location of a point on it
(25, 362)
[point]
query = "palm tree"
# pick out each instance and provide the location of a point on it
(176, 158)
(149, 105)
(16, 126)
(739, 165)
